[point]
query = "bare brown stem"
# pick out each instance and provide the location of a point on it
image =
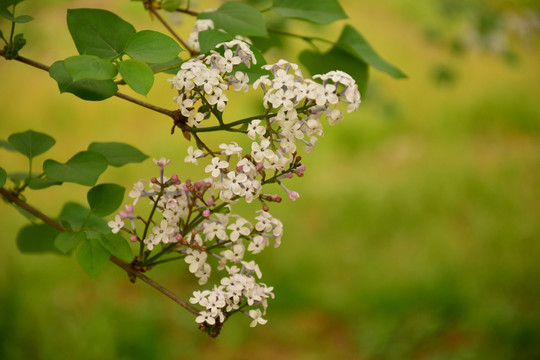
(12, 198)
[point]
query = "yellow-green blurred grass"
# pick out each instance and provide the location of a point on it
(416, 234)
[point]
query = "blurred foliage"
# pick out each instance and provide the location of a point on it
(415, 237)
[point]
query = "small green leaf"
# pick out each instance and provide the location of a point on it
(37, 239)
(67, 241)
(104, 199)
(98, 32)
(89, 67)
(78, 216)
(152, 47)
(31, 143)
(118, 154)
(92, 256)
(87, 89)
(36, 183)
(3, 177)
(208, 39)
(356, 45)
(337, 59)
(83, 168)
(116, 245)
(238, 19)
(23, 19)
(171, 5)
(319, 11)
(137, 74)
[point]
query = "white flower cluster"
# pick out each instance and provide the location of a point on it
(189, 222)
(238, 290)
(205, 78)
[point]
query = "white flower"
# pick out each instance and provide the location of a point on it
(231, 149)
(240, 227)
(218, 98)
(116, 225)
(256, 315)
(255, 129)
(216, 166)
(236, 254)
(240, 81)
(207, 317)
(195, 260)
(163, 233)
(136, 192)
(193, 155)
(257, 244)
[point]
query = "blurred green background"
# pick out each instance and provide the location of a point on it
(417, 234)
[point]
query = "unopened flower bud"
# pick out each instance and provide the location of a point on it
(265, 208)
(175, 178)
(133, 238)
(259, 166)
(206, 213)
(122, 214)
(178, 237)
(154, 180)
(210, 202)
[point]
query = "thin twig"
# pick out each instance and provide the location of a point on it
(10, 197)
(170, 29)
(118, 94)
(145, 104)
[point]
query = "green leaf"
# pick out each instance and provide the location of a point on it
(36, 183)
(21, 19)
(337, 59)
(37, 239)
(92, 256)
(208, 39)
(319, 11)
(168, 67)
(83, 168)
(171, 5)
(356, 45)
(89, 67)
(86, 89)
(78, 216)
(117, 154)
(67, 241)
(152, 47)
(3, 177)
(104, 199)
(137, 74)
(6, 145)
(31, 143)
(238, 19)
(98, 32)
(116, 245)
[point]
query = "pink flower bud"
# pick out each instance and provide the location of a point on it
(259, 166)
(210, 202)
(301, 168)
(293, 195)
(178, 237)
(289, 175)
(300, 173)
(133, 238)
(239, 168)
(122, 214)
(154, 180)
(175, 178)
(206, 213)
(198, 184)
(129, 209)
